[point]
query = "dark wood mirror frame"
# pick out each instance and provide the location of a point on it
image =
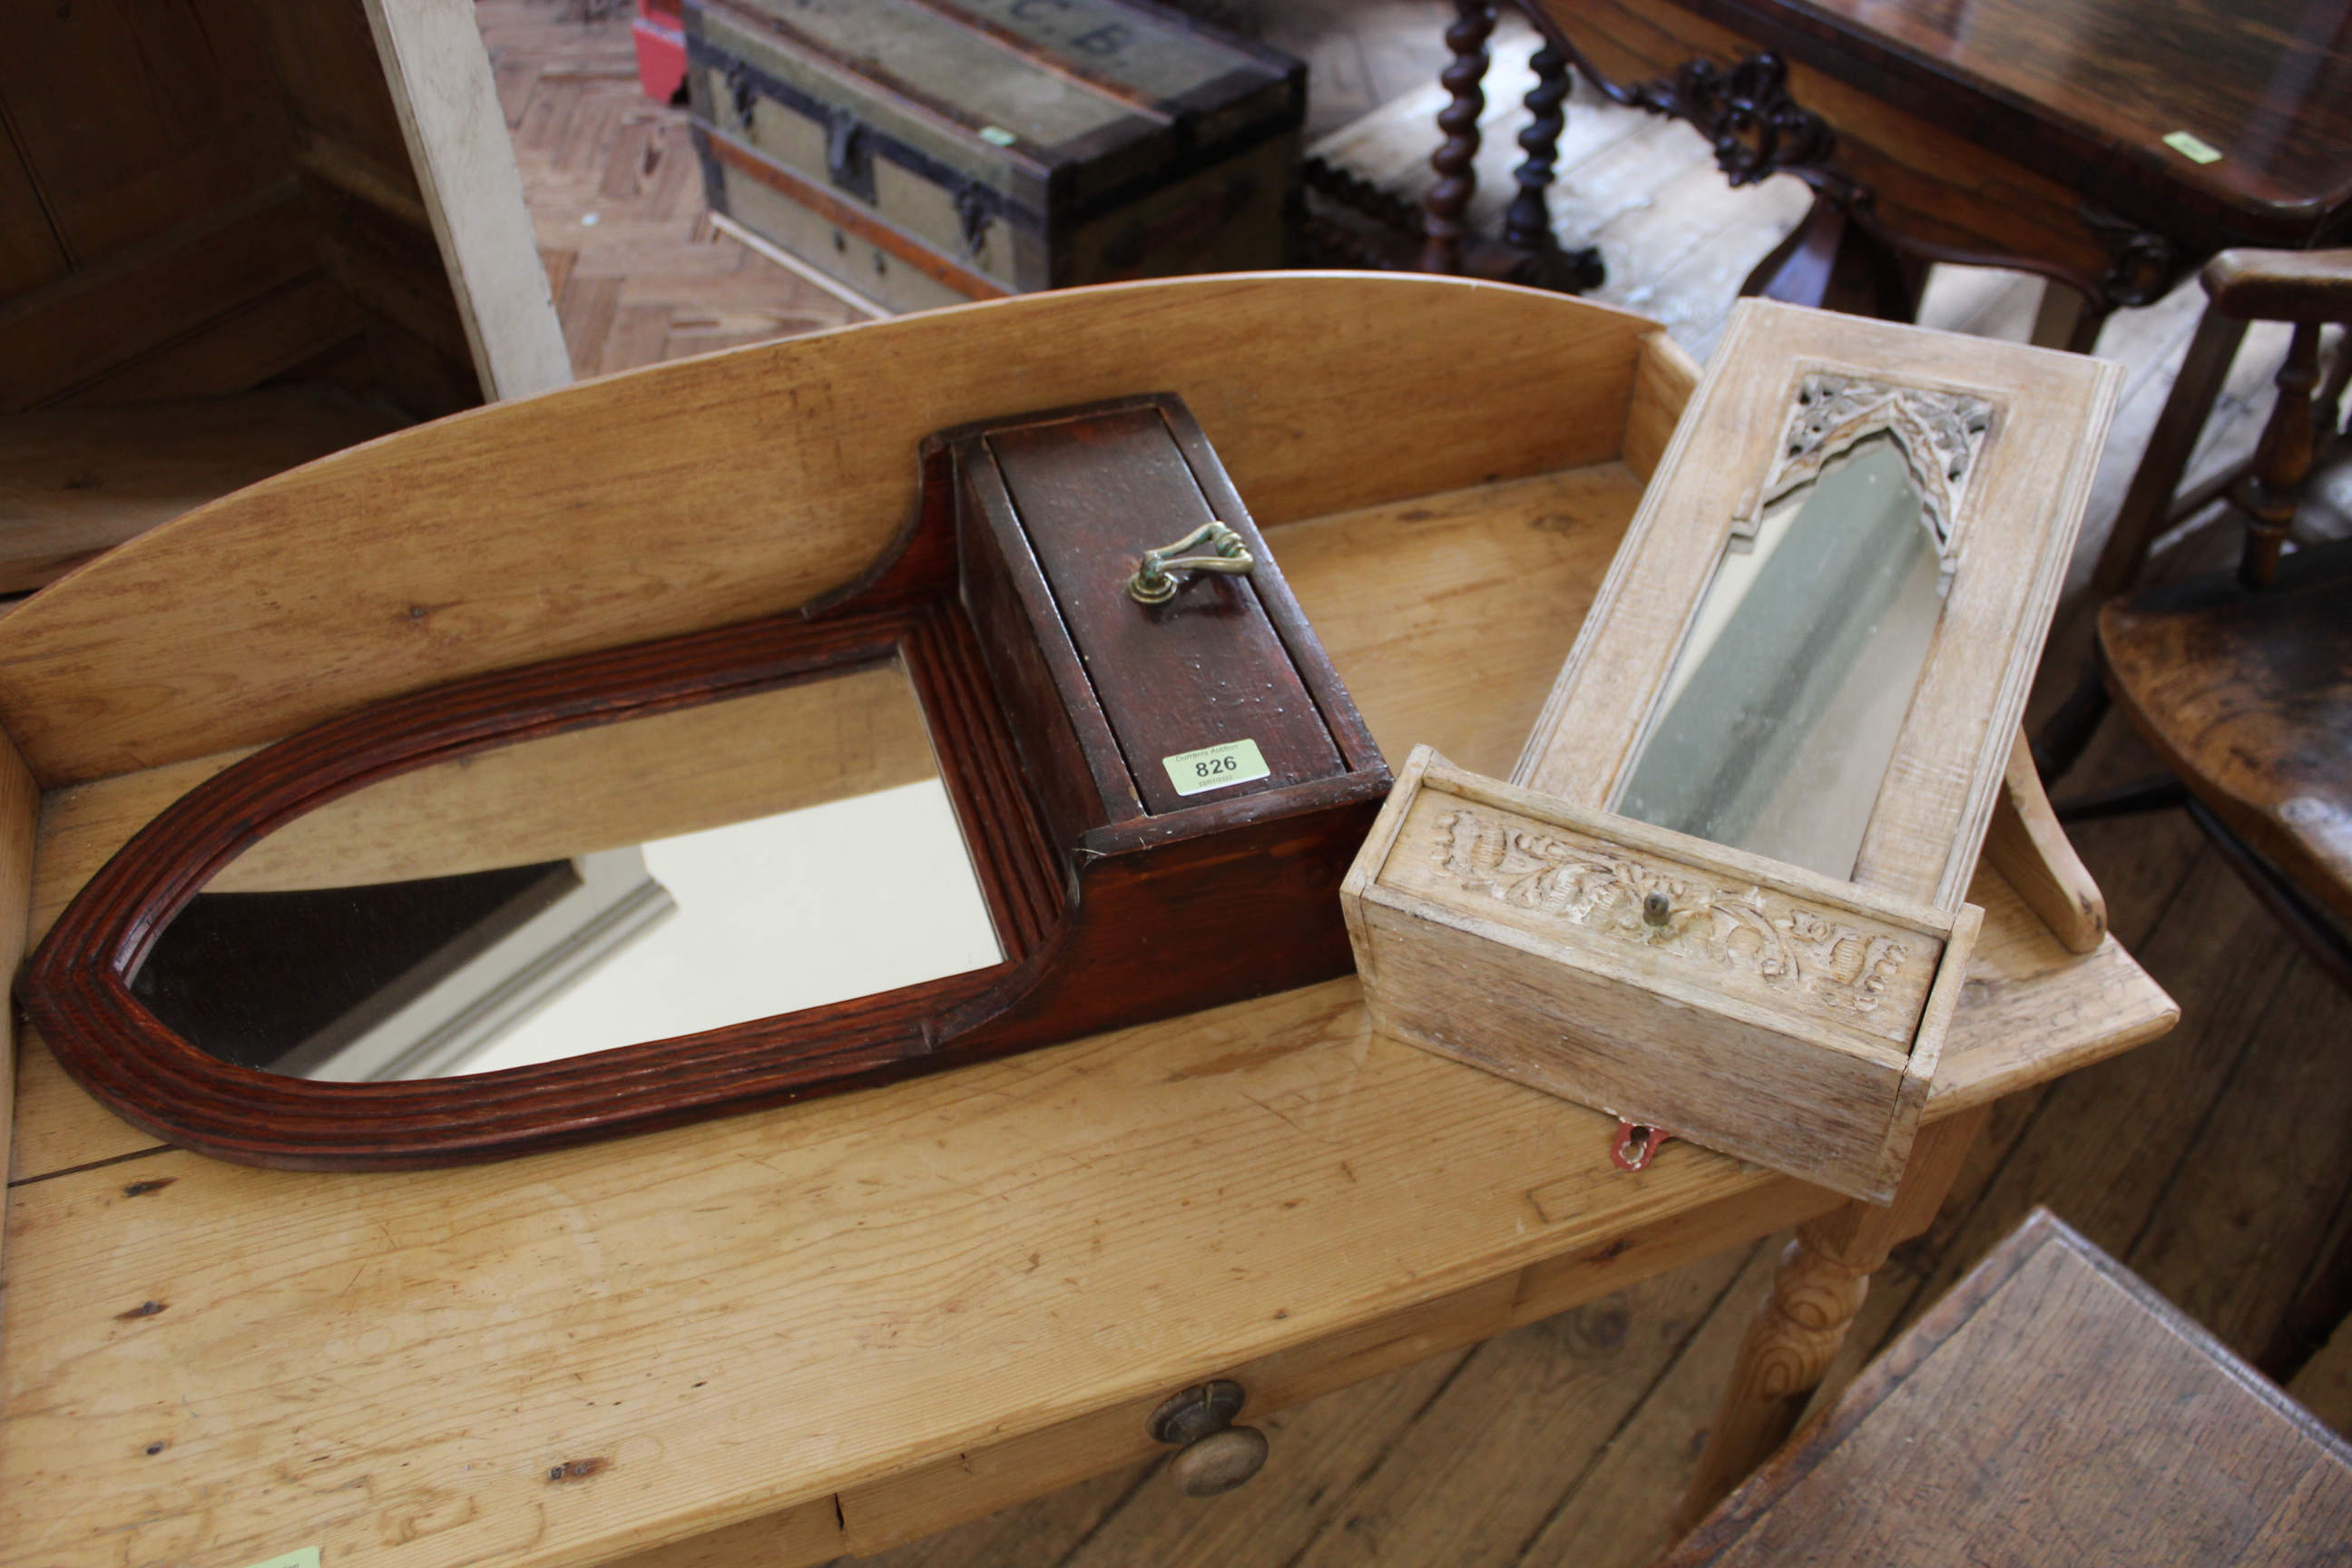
(1110, 910)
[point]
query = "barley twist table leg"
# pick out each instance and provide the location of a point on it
(1444, 216)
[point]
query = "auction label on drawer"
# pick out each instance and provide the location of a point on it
(306, 1558)
(1214, 767)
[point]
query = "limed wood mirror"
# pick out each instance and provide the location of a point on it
(1113, 777)
(1724, 892)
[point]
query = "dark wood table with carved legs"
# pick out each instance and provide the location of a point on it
(2107, 145)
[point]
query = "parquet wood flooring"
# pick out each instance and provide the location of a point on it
(1676, 239)
(2217, 1161)
(639, 274)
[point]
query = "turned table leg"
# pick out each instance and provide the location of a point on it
(1823, 1279)
(1527, 221)
(1445, 209)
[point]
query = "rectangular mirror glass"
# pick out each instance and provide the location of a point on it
(1776, 727)
(577, 892)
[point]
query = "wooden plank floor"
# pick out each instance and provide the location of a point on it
(2217, 1163)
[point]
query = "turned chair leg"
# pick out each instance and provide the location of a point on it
(1797, 1332)
(2282, 460)
(1444, 210)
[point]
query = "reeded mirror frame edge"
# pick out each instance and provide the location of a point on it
(75, 988)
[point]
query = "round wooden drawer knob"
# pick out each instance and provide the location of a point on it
(1213, 1454)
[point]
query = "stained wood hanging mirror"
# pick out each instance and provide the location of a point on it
(1119, 780)
(1724, 893)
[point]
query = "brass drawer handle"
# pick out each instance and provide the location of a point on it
(1213, 1454)
(1154, 583)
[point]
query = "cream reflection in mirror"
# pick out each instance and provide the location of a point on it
(585, 891)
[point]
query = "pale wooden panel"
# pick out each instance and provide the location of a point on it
(1662, 390)
(623, 783)
(1500, 927)
(59, 1126)
(2015, 527)
(1920, 1072)
(1724, 1068)
(2029, 846)
(433, 60)
(83, 825)
(2032, 1010)
(1448, 614)
(704, 491)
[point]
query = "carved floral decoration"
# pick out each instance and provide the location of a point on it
(1784, 945)
(1939, 434)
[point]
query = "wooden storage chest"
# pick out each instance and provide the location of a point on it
(933, 151)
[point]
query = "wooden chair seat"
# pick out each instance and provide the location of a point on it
(2247, 696)
(2051, 1412)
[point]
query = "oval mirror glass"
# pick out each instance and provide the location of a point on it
(578, 892)
(1777, 725)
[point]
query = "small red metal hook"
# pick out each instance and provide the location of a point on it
(1636, 1144)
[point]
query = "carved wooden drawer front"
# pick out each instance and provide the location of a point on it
(1746, 1004)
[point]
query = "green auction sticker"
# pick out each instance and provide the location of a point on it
(306, 1558)
(2193, 147)
(1214, 767)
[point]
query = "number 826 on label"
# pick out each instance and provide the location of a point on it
(1214, 767)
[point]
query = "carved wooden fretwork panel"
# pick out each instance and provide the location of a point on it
(1842, 962)
(1939, 434)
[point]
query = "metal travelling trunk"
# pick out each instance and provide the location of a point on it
(928, 153)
